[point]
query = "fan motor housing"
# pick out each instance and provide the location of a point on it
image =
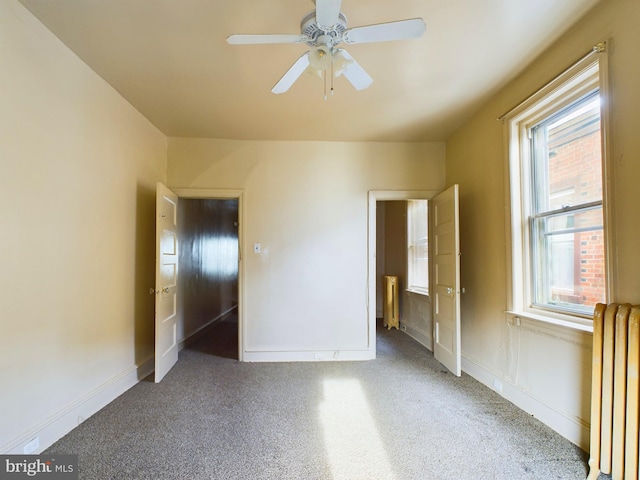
(309, 27)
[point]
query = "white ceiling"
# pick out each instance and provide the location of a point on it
(170, 60)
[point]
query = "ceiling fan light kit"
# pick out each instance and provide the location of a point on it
(323, 29)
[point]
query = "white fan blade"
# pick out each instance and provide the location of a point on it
(355, 73)
(292, 74)
(327, 12)
(265, 39)
(384, 32)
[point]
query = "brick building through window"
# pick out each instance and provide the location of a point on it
(570, 267)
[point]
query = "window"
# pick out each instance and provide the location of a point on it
(417, 246)
(558, 247)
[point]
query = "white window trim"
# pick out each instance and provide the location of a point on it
(571, 84)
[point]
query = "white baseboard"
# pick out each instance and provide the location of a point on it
(314, 356)
(572, 429)
(62, 422)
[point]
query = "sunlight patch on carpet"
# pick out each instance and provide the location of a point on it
(352, 440)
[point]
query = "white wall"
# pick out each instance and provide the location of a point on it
(306, 204)
(544, 369)
(78, 167)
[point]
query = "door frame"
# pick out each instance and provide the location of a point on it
(374, 197)
(226, 194)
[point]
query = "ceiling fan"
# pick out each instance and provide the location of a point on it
(323, 29)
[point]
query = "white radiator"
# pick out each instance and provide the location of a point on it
(615, 392)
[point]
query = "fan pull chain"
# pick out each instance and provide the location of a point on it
(324, 78)
(332, 75)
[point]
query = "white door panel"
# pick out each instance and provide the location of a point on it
(446, 281)
(166, 341)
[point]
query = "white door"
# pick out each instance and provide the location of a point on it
(446, 280)
(166, 343)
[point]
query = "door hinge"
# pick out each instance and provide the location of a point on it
(153, 291)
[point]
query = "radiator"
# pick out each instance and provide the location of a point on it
(615, 392)
(390, 314)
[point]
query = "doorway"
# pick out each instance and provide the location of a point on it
(445, 260)
(379, 200)
(392, 258)
(210, 276)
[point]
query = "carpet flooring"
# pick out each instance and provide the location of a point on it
(399, 417)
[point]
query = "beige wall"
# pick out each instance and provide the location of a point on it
(391, 246)
(545, 370)
(380, 261)
(78, 168)
(306, 204)
(395, 243)
(417, 317)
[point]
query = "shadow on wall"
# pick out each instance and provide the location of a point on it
(144, 274)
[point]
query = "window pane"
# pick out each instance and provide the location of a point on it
(568, 270)
(417, 248)
(569, 263)
(567, 157)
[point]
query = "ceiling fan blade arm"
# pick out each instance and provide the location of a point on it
(353, 72)
(292, 74)
(385, 32)
(240, 39)
(327, 12)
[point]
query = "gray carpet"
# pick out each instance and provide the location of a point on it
(400, 417)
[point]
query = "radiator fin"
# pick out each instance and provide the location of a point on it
(615, 392)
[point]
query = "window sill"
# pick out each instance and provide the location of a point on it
(565, 321)
(418, 293)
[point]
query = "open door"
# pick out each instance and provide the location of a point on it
(446, 279)
(166, 331)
